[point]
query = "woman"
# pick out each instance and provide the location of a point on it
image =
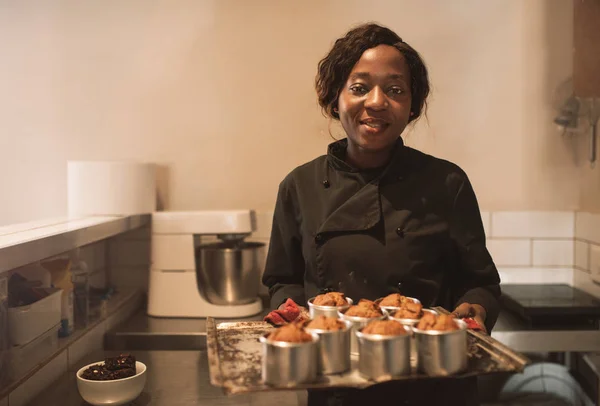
(373, 216)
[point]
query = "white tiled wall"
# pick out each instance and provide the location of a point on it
(515, 252)
(553, 252)
(533, 224)
(587, 226)
(587, 238)
(532, 247)
(583, 281)
(582, 255)
(535, 275)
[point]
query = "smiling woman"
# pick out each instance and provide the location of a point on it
(374, 217)
(375, 84)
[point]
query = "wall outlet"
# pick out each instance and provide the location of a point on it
(595, 263)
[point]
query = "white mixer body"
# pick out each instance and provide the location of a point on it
(173, 287)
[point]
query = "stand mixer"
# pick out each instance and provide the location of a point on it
(192, 278)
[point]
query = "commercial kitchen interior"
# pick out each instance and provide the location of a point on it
(217, 98)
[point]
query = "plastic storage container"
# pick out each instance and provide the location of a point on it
(25, 323)
(24, 357)
(60, 271)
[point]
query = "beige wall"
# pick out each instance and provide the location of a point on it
(221, 94)
(589, 178)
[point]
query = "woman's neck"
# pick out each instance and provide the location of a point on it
(363, 159)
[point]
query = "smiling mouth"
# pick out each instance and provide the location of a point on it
(375, 124)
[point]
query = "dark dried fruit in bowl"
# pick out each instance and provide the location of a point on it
(96, 373)
(121, 373)
(113, 368)
(121, 362)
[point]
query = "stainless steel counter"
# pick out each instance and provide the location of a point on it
(175, 378)
(149, 333)
(145, 333)
(174, 351)
(514, 332)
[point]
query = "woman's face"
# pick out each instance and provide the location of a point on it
(374, 104)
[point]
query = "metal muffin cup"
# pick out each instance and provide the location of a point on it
(357, 324)
(334, 349)
(391, 309)
(408, 322)
(328, 311)
(442, 353)
(288, 364)
(384, 357)
(411, 323)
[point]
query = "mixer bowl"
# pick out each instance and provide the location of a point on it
(228, 273)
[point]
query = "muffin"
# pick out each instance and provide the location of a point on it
(290, 333)
(330, 299)
(409, 310)
(365, 308)
(384, 327)
(443, 322)
(394, 300)
(326, 323)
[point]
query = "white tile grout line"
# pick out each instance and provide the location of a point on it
(589, 258)
(531, 257)
(576, 268)
(574, 259)
(532, 238)
(535, 267)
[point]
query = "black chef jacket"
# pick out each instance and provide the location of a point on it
(414, 228)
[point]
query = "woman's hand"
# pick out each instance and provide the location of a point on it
(475, 311)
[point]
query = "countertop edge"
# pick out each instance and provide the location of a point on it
(55, 239)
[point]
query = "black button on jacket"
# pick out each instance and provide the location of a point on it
(413, 228)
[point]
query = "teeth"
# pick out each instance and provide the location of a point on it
(374, 125)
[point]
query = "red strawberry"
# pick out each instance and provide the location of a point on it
(472, 324)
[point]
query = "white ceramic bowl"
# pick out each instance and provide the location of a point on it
(115, 392)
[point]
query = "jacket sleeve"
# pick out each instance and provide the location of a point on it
(477, 280)
(284, 270)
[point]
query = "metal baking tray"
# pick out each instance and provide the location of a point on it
(235, 354)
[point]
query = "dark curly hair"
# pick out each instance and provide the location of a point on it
(334, 69)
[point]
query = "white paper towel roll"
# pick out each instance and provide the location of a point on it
(110, 188)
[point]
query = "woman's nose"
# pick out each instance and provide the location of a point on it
(376, 99)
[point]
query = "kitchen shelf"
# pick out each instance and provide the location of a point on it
(121, 300)
(23, 244)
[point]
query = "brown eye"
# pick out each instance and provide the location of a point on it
(358, 89)
(396, 91)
